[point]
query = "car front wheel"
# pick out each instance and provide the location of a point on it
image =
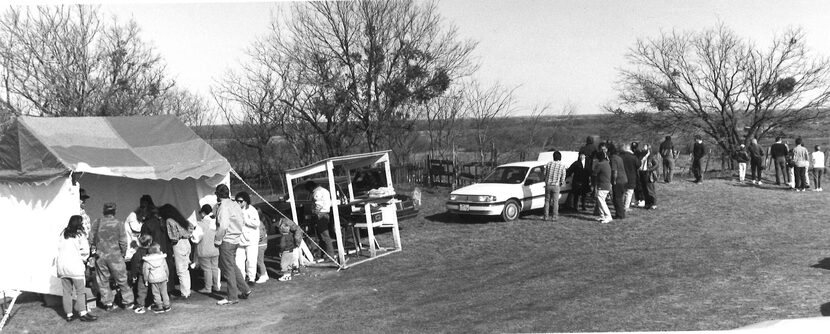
(511, 211)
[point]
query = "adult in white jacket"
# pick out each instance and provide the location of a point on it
(246, 254)
(73, 250)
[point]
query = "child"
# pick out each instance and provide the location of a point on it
(289, 245)
(207, 255)
(156, 274)
(139, 281)
(73, 250)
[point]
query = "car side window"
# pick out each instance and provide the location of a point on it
(537, 174)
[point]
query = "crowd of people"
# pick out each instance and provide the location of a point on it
(625, 174)
(148, 258)
(793, 166)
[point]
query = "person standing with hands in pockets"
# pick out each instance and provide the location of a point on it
(229, 219)
(554, 180)
(756, 160)
(817, 165)
(698, 152)
(669, 154)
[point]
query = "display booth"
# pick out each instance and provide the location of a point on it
(373, 211)
(45, 161)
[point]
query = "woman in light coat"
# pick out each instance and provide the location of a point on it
(246, 254)
(73, 251)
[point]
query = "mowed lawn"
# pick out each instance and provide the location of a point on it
(718, 255)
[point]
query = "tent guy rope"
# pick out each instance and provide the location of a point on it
(235, 174)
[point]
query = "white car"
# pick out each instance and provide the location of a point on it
(509, 189)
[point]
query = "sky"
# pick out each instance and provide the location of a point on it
(561, 53)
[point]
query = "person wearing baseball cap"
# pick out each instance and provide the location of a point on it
(111, 242)
(86, 222)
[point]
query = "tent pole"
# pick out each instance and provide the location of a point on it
(351, 188)
(335, 212)
(8, 310)
(387, 169)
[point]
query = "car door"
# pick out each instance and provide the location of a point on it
(535, 186)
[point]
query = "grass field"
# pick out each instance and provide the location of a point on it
(718, 255)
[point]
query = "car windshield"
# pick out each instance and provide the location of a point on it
(368, 179)
(511, 175)
(304, 195)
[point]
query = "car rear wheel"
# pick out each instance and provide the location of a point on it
(511, 211)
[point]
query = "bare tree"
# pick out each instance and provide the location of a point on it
(486, 105)
(192, 109)
(716, 83)
(533, 124)
(249, 100)
(545, 122)
(365, 61)
(317, 111)
(64, 61)
(133, 78)
(443, 116)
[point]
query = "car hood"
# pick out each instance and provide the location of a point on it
(486, 189)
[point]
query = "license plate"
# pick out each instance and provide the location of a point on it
(464, 207)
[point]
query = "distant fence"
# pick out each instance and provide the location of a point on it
(441, 172)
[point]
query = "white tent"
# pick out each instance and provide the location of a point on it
(45, 161)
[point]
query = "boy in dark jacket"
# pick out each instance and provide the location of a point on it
(144, 241)
(742, 157)
(290, 238)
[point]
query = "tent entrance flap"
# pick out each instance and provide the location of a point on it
(346, 163)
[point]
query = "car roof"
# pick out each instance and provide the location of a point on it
(524, 164)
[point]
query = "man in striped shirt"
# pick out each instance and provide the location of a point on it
(554, 181)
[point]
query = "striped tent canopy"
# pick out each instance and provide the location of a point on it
(40, 149)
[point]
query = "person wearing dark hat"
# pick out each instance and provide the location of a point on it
(86, 222)
(110, 240)
(698, 152)
(87, 226)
